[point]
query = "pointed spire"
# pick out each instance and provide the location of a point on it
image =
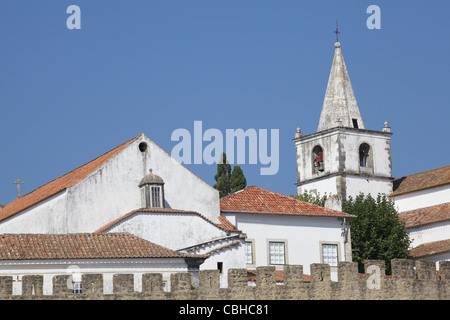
(339, 107)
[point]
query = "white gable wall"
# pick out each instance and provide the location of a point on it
(112, 190)
(171, 230)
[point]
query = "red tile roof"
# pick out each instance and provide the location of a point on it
(258, 200)
(59, 184)
(426, 216)
(431, 248)
(421, 181)
(224, 224)
(82, 246)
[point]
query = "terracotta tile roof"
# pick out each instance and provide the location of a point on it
(258, 200)
(223, 225)
(425, 216)
(226, 225)
(82, 246)
(422, 180)
(431, 248)
(59, 184)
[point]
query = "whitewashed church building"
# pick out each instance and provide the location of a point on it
(136, 189)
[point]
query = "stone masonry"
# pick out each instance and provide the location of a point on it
(410, 280)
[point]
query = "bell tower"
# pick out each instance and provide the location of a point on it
(343, 157)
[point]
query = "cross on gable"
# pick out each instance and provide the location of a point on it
(18, 182)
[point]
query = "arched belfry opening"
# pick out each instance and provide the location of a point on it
(318, 160)
(365, 156)
(152, 191)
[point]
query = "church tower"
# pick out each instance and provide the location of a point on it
(343, 158)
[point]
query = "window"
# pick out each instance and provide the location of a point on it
(364, 160)
(220, 267)
(317, 158)
(330, 254)
(165, 286)
(249, 252)
(77, 287)
(355, 123)
(152, 191)
(156, 196)
(276, 253)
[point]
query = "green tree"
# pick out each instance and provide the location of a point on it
(376, 233)
(238, 181)
(223, 176)
(311, 197)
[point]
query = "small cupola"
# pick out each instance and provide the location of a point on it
(152, 191)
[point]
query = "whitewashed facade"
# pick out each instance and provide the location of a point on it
(282, 230)
(105, 189)
(187, 232)
(423, 203)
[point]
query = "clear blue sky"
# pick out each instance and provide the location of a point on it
(68, 96)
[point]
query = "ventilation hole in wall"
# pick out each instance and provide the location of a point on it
(142, 146)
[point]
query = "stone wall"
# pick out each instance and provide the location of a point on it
(410, 280)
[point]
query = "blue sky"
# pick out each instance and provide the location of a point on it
(68, 96)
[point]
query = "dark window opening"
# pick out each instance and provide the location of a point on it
(220, 266)
(355, 123)
(142, 147)
(364, 150)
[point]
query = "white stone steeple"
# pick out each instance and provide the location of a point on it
(343, 158)
(340, 108)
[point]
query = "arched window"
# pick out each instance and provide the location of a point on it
(364, 155)
(317, 158)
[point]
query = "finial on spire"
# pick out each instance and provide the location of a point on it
(337, 31)
(386, 127)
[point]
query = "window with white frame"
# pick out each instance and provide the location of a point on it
(155, 192)
(277, 252)
(330, 254)
(77, 287)
(249, 252)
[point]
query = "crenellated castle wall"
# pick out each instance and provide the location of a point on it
(410, 280)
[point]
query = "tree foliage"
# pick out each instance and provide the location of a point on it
(228, 180)
(223, 176)
(238, 181)
(311, 197)
(376, 233)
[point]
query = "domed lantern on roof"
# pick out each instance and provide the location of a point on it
(152, 191)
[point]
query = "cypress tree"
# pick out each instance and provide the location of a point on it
(223, 176)
(238, 181)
